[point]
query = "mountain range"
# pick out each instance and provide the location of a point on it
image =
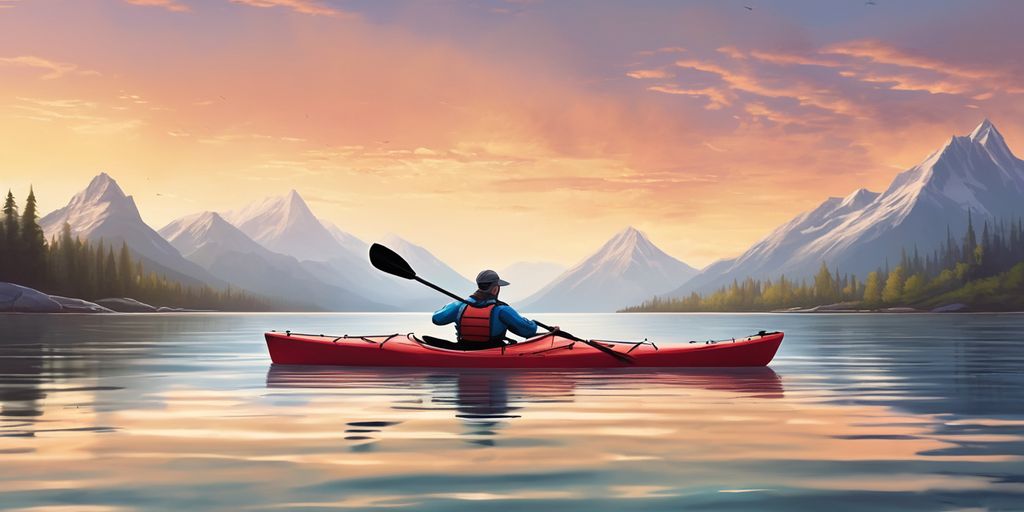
(279, 248)
(975, 173)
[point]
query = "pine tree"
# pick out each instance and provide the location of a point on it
(823, 284)
(113, 281)
(970, 242)
(125, 270)
(12, 240)
(68, 258)
(4, 263)
(33, 244)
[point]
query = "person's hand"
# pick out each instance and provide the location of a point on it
(555, 328)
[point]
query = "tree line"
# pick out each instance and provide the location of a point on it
(69, 266)
(985, 271)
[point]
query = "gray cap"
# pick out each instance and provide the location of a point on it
(487, 279)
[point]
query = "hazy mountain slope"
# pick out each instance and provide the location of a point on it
(228, 253)
(528, 277)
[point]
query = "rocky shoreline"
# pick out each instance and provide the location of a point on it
(22, 299)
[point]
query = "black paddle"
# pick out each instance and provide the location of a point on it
(391, 262)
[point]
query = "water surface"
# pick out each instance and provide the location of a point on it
(175, 411)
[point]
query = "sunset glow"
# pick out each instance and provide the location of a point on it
(549, 124)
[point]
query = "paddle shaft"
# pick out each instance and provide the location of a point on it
(442, 290)
(621, 357)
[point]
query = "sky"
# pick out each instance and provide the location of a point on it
(500, 131)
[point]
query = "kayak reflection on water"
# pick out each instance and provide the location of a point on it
(485, 401)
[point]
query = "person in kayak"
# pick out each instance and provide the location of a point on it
(485, 321)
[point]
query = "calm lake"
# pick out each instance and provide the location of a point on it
(185, 412)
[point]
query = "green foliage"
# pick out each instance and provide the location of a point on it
(873, 289)
(986, 274)
(913, 288)
(893, 291)
(10, 243)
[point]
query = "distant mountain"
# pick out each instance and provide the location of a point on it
(977, 172)
(224, 250)
(103, 211)
(426, 264)
(624, 271)
(197, 234)
(527, 277)
(286, 225)
(350, 242)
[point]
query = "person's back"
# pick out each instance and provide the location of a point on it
(483, 321)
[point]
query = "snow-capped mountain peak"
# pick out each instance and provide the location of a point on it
(984, 130)
(625, 270)
(103, 211)
(100, 200)
(101, 188)
(859, 199)
(286, 225)
(627, 248)
(192, 232)
(989, 138)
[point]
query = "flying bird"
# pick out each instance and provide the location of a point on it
(870, 2)
(747, 7)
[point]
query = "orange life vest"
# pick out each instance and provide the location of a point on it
(475, 323)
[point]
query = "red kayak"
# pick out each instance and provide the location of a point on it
(549, 350)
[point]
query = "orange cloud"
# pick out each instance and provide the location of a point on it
(806, 95)
(170, 5)
(716, 99)
(311, 7)
(882, 53)
(53, 69)
(960, 79)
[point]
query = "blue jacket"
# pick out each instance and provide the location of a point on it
(503, 318)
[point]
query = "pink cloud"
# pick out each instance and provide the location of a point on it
(641, 74)
(170, 5)
(311, 7)
(716, 98)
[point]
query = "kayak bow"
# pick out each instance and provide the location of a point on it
(548, 350)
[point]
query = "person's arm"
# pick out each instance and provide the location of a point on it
(447, 314)
(516, 323)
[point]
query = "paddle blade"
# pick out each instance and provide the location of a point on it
(389, 261)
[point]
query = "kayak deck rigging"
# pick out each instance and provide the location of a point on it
(546, 350)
